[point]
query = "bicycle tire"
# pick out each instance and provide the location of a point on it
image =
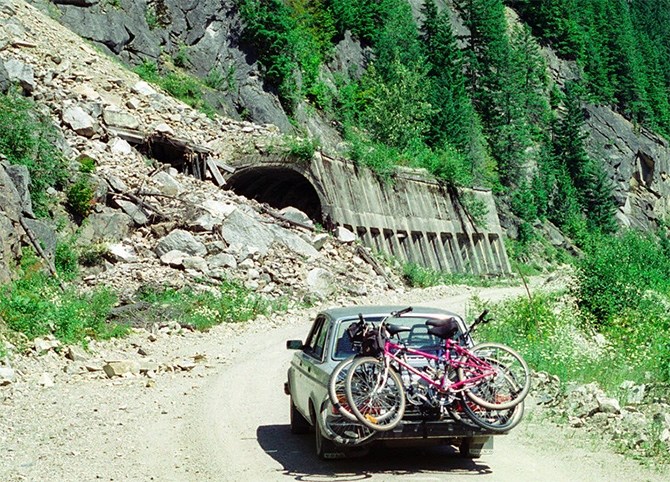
(336, 390)
(509, 386)
(375, 395)
(473, 416)
(499, 421)
(340, 429)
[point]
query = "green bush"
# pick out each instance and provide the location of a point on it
(231, 302)
(81, 197)
(617, 271)
(35, 306)
(28, 138)
(66, 261)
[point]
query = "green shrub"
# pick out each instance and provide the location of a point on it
(28, 138)
(81, 197)
(66, 260)
(35, 306)
(231, 302)
(617, 271)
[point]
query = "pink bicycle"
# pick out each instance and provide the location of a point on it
(487, 382)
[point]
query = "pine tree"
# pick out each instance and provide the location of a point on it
(453, 118)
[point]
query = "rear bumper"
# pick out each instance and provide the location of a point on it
(424, 430)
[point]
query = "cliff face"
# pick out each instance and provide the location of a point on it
(208, 34)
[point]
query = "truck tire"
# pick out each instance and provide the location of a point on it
(299, 424)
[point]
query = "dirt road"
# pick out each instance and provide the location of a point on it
(228, 421)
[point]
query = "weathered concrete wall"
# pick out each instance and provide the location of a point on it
(413, 219)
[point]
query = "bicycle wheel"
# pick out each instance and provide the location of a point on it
(511, 380)
(340, 429)
(375, 395)
(336, 391)
(471, 414)
(494, 420)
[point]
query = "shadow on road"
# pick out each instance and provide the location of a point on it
(296, 455)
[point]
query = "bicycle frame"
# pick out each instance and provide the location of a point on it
(394, 352)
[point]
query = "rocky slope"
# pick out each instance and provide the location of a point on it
(160, 226)
(208, 33)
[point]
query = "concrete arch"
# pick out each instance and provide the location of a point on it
(279, 187)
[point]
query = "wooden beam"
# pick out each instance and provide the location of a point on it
(218, 178)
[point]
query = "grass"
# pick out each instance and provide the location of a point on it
(418, 276)
(35, 306)
(230, 302)
(28, 138)
(179, 85)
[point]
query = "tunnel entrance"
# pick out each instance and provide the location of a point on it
(279, 187)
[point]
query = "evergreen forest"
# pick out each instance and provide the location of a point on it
(477, 108)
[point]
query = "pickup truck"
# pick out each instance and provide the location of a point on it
(311, 409)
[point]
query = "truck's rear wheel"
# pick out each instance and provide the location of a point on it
(299, 424)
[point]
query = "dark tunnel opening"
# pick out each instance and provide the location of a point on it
(278, 187)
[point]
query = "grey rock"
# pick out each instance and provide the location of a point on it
(115, 117)
(108, 225)
(20, 73)
(167, 184)
(120, 146)
(10, 198)
(78, 3)
(132, 210)
(76, 353)
(121, 368)
(222, 260)
(106, 28)
(182, 241)
(174, 258)
(44, 344)
(123, 253)
(79, 121)
(144, 88)
(7, 375)
(294, 242)
(320, 282)
(21, 179)
(242, 229)
(296, 215)
(608, 405)
(195, 262)
(319, 240)
(5, 82)
(344, 235)
(45, 234)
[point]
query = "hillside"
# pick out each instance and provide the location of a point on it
(101, 238)
(148, 228)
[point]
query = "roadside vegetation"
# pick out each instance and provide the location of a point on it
(612, 324)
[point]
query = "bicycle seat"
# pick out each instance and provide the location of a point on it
(443, 328)
(447, 321)
(395, 329)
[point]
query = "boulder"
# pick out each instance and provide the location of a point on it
(79, 121)
(132, 210)
(167, 184)
(320, 282)
(121, 368)
(181, 241)
(243, 229)
(296, 215)
(21, 179)
(108, 225)
(222, 260)
(106, 28)
(174, 258)
(115, 117)
(20, 73)
(5, 82)
(344, 235)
